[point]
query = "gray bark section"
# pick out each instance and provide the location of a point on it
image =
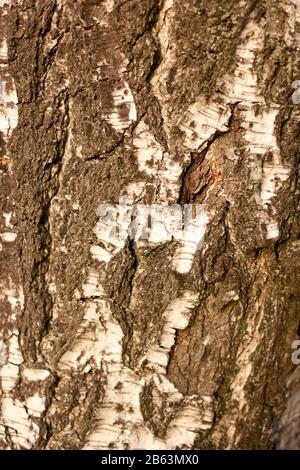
(97, 81)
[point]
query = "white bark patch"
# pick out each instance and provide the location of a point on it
(92, 288)
(3, 46)
(166, 175)
(100, 254)
(99, 336)
(273, 177)
(158, 164)
(134, 191)
(35, 374)
(158, 82)
(124, 111)
(23, 431)
(8, 237)
(259, 126)
(35, 405)
(109, 4)
(7, 218)
(177, 317)
(8, 111)
(148, 151)
(202, 120)
(192, 238)
(9, 377)
(4, 3)
(12, 293)
(14, 415)
(109, 231)
(3, 353)
(258, 121)
(292, 10)
(120, 423)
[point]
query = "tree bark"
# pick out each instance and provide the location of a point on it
(159, 345)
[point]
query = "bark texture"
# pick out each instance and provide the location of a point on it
(161, 345)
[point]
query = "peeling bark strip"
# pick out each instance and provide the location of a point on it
(149, 345)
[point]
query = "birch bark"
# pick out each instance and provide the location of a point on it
(162, 345)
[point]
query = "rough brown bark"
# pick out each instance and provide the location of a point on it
(175, 101)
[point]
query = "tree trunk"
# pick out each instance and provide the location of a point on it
(114, 343)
